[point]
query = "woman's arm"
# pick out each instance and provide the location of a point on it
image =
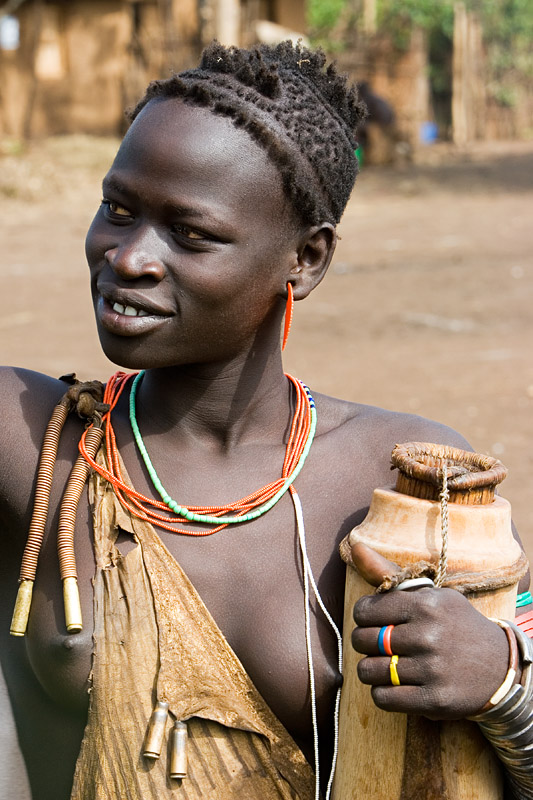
(13, 777)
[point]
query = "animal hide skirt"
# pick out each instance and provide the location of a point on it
(154, 640)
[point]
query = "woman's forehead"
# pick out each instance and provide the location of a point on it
(173, 129)
(174, 143)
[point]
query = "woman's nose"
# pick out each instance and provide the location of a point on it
(137, 257)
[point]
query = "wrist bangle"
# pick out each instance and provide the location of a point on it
(508, 726)
(524, 599)
(510, 678)
(519, 692)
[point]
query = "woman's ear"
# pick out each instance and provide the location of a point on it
(313, 257)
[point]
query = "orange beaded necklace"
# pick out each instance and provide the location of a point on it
(251, 506)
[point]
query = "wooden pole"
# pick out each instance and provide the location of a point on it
(34, 80)
(228, 22)
(369, 16)
(468, 88)
(459, 94)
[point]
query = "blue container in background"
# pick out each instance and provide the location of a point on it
(429, 132)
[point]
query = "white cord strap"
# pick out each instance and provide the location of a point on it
(308, 578)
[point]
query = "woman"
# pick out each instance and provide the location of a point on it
(222, 201)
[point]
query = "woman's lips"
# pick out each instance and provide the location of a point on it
(127, 320)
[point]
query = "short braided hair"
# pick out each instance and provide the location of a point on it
(303, 115)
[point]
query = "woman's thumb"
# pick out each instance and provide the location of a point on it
(373, 567)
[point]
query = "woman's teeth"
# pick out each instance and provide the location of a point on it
(129, 311)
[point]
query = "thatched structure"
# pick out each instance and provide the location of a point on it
(80, 63)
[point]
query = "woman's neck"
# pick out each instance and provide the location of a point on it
(222, 406)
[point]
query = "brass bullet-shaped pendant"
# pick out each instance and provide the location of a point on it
(178, 750)
(71, 599)
(153, 741)
(21, 612)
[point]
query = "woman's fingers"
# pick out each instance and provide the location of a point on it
(376, 671)
(418, 688)
(393, 608)
(455, 657)
(408, 699)
(372, 566)
(387, 640)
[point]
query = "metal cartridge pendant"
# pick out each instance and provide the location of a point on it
(153, 741)
(178, 750)
(71, 600)
(22, 608)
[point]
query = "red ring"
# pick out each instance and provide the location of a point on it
(386, 640)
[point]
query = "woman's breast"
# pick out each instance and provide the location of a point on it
(60, 661)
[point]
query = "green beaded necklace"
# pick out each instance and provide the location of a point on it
(183, 511)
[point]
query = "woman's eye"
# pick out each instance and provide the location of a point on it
(116, 209)
(188, 233)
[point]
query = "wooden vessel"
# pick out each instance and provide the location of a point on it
(388, 756)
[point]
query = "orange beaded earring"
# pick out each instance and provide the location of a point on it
(288, 315)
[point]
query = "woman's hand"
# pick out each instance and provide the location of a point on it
(451, 658)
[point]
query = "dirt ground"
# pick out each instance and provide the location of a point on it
(427, 307)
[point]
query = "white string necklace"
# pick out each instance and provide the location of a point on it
(309, 579)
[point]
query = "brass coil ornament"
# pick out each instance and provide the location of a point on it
(65, 531)
(86, 400)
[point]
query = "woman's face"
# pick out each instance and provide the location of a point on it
(192, 246)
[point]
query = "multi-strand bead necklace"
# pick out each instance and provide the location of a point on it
(248, 508)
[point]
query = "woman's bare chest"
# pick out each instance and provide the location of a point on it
(250, 581)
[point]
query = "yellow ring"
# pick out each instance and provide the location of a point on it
(395, 680)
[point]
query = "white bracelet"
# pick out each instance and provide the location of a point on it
(413, 583)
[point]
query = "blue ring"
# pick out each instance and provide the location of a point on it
(381, 636)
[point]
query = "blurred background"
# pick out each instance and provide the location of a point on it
(427, 307)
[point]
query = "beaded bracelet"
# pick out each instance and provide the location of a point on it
(508, 725)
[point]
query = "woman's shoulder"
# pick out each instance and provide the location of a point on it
(351, 454)
(27, 400)
(370, 429)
